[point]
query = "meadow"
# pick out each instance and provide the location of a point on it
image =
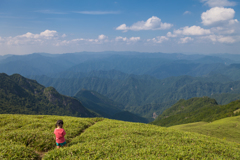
(227, 128)
(31, 137)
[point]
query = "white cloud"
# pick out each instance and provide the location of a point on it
(187, 12)
(219, 3)
(119, 38)
(169, 34)
(233, 21)
(64, 35)
(100, 40)
(222, 30)
(193, 30)
(128, 40)
(49, 34)
(185, 40)
(153, 23)
(220, 38)
(134, 39)
(228, 39)
(30, 38)
(98, 12)
(216, 15)
(159, 39)
(102, 37)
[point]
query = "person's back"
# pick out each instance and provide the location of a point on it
(60, 133)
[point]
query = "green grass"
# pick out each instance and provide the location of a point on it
(227, 128)
(107, 139)
(35, 133)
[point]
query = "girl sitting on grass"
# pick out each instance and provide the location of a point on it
(60, 133)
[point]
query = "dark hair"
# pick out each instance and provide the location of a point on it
(59, 123)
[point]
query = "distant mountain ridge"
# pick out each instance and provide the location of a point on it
(159, 65)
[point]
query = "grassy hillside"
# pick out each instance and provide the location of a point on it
(19, 95)
(26, 136)
(227, 128)
(196, 110)
(31, 137)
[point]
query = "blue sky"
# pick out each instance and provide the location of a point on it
(169, 26)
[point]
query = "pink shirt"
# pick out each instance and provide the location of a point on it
(60, 133)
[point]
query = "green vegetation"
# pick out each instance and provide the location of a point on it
(19, 95)
(150, 111)
(98, 103)
(130, 117)
(226, 98)
(105, 107)
(136, 92)
(196, 110)
(227, 128)
(24, 135)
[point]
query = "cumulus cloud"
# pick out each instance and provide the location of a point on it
(222, 30)
(159, 39)
(218, 3)
(185, 40)
(153, 23)
(102, 36)
(127, 40)
(30, 38)
(169, 34)
(220, 38)
(193, 30)
(101, 39)
(217, 15)
(233, 21)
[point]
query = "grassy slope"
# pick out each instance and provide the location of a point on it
(196, 110)
(33, 133)
(227, 128)
(107, 139)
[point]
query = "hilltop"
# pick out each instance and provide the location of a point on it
(196, 110)
(31, 137)
(20, 95)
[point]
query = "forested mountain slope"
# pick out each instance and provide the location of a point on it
(196, 110)
(20, 95)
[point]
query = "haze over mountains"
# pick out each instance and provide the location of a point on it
(142, 83)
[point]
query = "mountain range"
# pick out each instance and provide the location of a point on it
(144, 84)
